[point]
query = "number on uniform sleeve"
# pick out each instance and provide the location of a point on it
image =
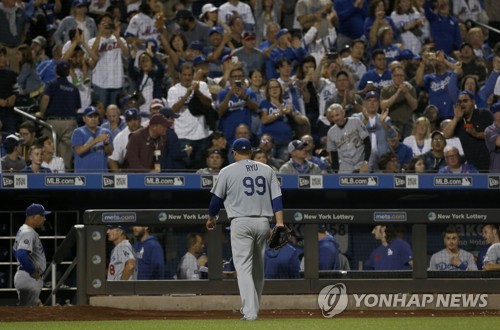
(112, 269)
(257, 185)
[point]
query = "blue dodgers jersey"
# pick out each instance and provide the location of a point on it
(394, 256)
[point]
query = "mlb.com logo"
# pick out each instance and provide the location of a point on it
(333, 300)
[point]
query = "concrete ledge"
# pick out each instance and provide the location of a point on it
(269, 302)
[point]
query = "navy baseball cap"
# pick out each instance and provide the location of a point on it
(36, 209)
(183, 13)
(200, 59)
(248, 35)
(116, 226)
(242, 144)
(131, 113)
(79, 3)
(169, 113)
(468, 93)
(296, 145)
(371, 94)
(281, 32)
(216, 29)
(90, 111)
(495, 107)
(407, 54)
(196, 45)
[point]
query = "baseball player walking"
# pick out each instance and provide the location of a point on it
(30, 256)
(251, 194)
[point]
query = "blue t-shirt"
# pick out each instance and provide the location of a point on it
(280, 129)
(379, 81)
(395, 256)
(443, 92)
(328, 253)
(237, 113)
(94, 160)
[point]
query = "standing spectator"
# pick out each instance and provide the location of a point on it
(110, 48)
(354, 61)
(491, 236)
(235, 7)
(251, 57)
(122, 262)
(114, 121)
(193, 260)
(434, 158)
(192, 130)
(267, 12)
(286, 51)
(401, 99)
(465, 10)
(149, 255)
(410, 22)
(148, 78)
(120, 142)
(8, 91)
(218, 48)
(298, 163)
(452, 257)
(146, 146)
(12, 161)
(266, 144)
(441, 84)
(471, 65)
(377, 124)
(445, 31)
(50, 160)
(59, 104)
(78, 19)
(29, 82)
(13, 22)
(454, 162)
(352, 16)
(30, 255)
(92, 144)
(36, 159)
(348, 143)
(308, 13)
(378, 77)
(375, 20)
(235, 104)
(392, 254)
(346, 96)
(191, 28)
(469, 124)
(492, 139)
(142, 26)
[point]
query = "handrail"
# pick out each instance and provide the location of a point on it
(469, 23)
(40, 122)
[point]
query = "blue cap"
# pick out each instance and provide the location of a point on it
(468, 93)
(196, 45)
(169, 113)
(154, 48)
(200, 59)
(36, 209)
(216, 29)
(296, 145)
(281, 32)
(407, 54)
(495, 107)
(79, 3)
(371, 94)
(242, 144)
(131, 113)
(124, 228)
(62, 66)
(90, 111)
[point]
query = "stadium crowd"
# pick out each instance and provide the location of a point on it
(319, 86)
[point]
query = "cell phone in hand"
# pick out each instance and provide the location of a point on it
(238, 83)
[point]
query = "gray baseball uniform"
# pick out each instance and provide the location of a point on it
(441, 260)
(27, 287)
(119, 256)
(493, 254)
(348, 142)
(189, 269)
(247, 188)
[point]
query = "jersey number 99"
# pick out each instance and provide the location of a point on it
(257, 185)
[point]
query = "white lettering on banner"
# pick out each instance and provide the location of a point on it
(333, 300)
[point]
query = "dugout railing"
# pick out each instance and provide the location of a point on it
(91, 248)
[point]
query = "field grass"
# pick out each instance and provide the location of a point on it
(420, 323)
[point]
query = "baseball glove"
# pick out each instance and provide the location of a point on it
(279, 237)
